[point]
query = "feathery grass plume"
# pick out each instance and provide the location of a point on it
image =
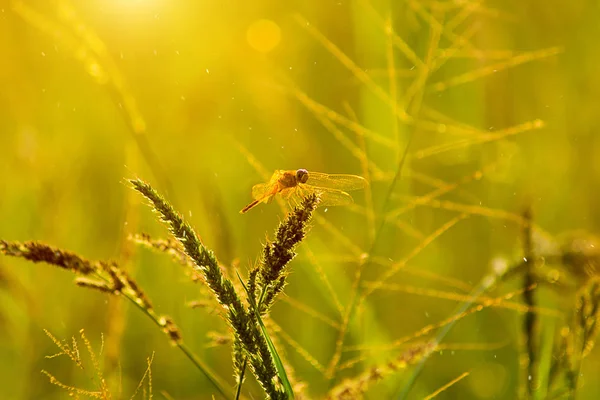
(277, 254)
(104, 276)
(109, 278)
(356, 387)
(289, 233)
(71, 351)
(39, 252)
(267, 280)
(101, 390)
(148, 375)
(253, 339)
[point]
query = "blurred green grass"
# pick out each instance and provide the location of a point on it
(204, 91)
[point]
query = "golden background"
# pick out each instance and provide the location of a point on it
(498, 101)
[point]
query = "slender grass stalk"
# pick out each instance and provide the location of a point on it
(238, 390)
(545, 360)
(529, 318)
(356, 295)
(255, 308)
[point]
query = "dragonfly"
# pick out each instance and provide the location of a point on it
(295, 184)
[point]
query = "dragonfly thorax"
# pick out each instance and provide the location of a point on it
(287, 179)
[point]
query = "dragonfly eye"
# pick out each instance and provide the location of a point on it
(302, 175)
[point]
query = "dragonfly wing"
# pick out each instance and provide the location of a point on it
(259, 190)
(329, 197)
(336, 181)
(263, 192)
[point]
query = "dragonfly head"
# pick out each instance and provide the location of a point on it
(302, 175)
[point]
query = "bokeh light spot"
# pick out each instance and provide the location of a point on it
(263, 35)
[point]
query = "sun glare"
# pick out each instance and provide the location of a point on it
(263, 35)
